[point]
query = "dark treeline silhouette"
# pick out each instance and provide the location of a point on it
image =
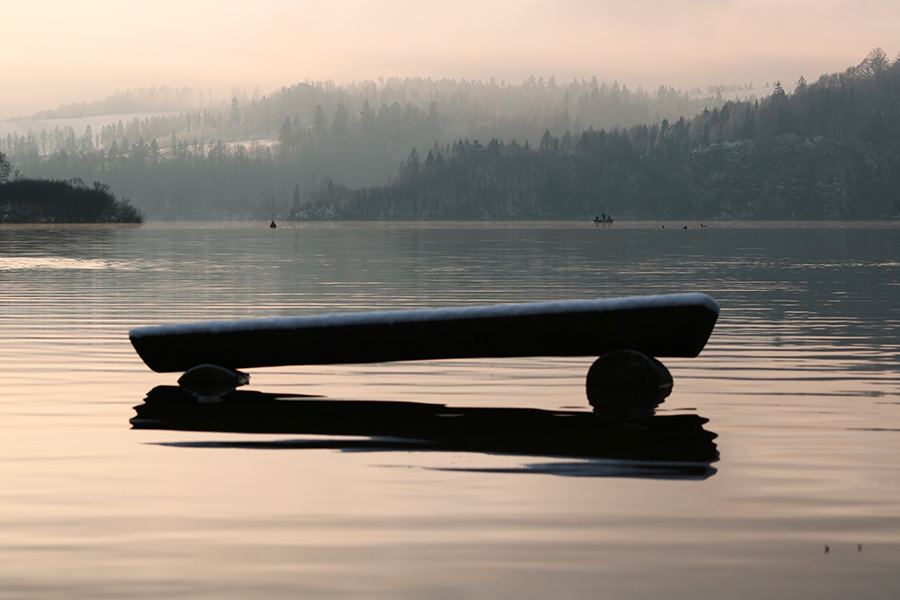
(49, 201)
(829, 150)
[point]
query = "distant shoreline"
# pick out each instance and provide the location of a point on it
(56, 201)
(670, 226)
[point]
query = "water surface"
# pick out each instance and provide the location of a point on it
(799, 382)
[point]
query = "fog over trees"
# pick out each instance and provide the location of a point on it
(247, 155)
(829, 150)
(541, 149)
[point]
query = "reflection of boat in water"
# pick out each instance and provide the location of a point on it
(674, 446)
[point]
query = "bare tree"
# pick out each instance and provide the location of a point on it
(874, 64)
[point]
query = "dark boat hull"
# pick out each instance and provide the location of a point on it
(660, 326)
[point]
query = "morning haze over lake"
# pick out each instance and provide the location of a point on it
(447, 179)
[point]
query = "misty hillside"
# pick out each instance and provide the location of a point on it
(301, 136)
(465, 106)
(536, 150)
(829, 150)
(141, 100)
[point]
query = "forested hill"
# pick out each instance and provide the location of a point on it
(542, 149)
(408, 108)
(247, 156)
(828, 150)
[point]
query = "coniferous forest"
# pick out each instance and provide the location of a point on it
(829, 150)
(446, 150)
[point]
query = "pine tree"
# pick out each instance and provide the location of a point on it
(235, 111)
(5, 168)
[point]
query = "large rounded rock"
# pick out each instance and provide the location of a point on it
(625, 384)
(210, 382)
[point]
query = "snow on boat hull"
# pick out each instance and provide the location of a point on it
(660, 326)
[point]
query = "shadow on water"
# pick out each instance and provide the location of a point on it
(668, 447)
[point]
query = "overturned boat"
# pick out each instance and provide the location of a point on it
(673, 325)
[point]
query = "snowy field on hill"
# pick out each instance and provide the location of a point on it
(21, 127)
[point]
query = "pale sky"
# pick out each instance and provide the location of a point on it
(62, 51)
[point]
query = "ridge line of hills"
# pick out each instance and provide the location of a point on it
(827, 149)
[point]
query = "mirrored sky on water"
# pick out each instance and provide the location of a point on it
(799, 382)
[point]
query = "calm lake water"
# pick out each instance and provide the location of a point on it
(800, 381)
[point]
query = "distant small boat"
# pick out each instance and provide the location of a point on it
(272, 225)
(604, 219)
